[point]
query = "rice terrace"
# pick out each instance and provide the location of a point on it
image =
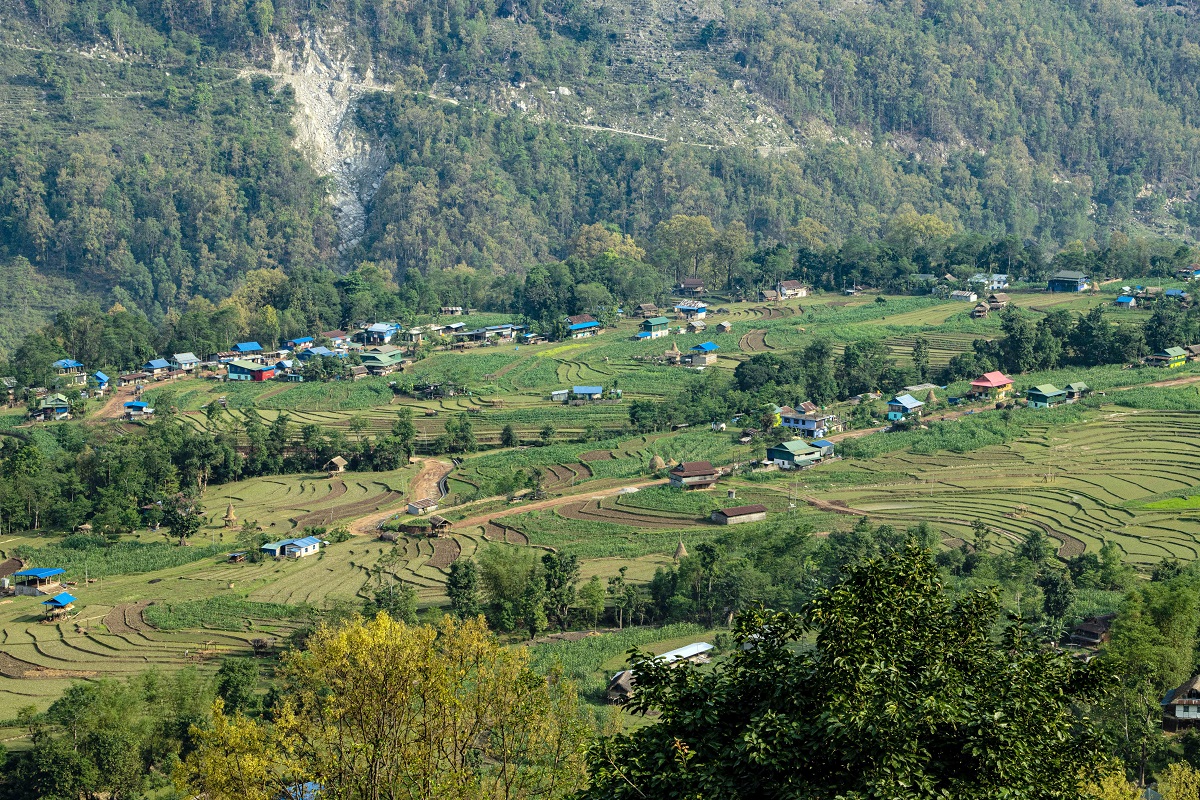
(592, 476)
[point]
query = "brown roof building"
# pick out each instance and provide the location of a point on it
(693, 475)
(739, 514)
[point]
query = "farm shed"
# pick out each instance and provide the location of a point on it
(739, 514)
(646, 310)
(693, 475)
(696, 326)
(724, 327)
(1045, 396)
(768, 295)
(38, 581)
(980, 311)
(621, 686)
(825, 446)
(1075, 391)
(439, 523)
(1170, 358)
(1126, 301)
(588, 392)
(560, 395)
(1067, 280)
(690, 287)
(994, 385)
(420, 507)
(904, 406)
(336, 465)
(1181, 706)
(997, 301)
(794, 454)
(964, 296)
(59, 604)
(451, 311)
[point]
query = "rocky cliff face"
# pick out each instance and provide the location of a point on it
(327, 84)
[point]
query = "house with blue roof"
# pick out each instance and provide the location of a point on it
(137, 409)
(703, 354)
(156, 366)
(319, 350)
(903, 407)
(1176, 294)
(60, 604)
(70, 372)
(1126, 301)
(299, 343)
(293, 548)
(380, 333)
(34, 581)
(243, 348)
(588, 392)
(102, 380)
(582, 326)
(692, 310)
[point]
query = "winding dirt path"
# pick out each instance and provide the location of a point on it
(114, 406)
(425, 484)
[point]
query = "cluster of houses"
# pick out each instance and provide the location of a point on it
(783, 290)
(580, 395)
(1144, 295)
(996, 301)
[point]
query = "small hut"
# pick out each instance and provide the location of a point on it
(336, 466)
(230, 517)
(59, 605)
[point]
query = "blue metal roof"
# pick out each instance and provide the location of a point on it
(906, 400)
(137, 404)
(822, 443)
(1174, 293)
(691, 306)
(706, 347)
(60, 600)
(66, 363)
(307, 541)
(301, 340)
(41, 573)
(157, 363)
(587, 389)
(101, 377)
(247, 347)
(276, 545)
(1125, 299)
(579, 326)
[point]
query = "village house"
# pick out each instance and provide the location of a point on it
(1126, 301)
(790, 289)
(1067, 280)
(1170, 358)
(421, 507)
(131, 378)
(1076, 391)
(1092, 632)
(812, 424)
(413, 336)
(35, 581)
(654, 328)
(768, 295)
(335, 466)
(697, 326)
(70, 372)
(964, 296)
(451, 311)
(997, 301)
(795, 454)
(247, 348)
(992, 385)
(1181, 706)
(621, 686)
(8, 387)
(454, 328)
(383, 360)
(1176, 294)
(693, 475)
(337, 338)
(1045, 396)
(991, 282)
(980, 311)
(102, 382)
(293, 548)
(724, 327)
(560, 395)
(319, 351)
(690, 287)
(53, 407)
(185, 361)
(1193, 352)
(703, 354)
(904, 407)
(299, 343)
(581, 326)
(692, 310)
(646, 310)
(137, 409)
(825, 447)
(380, 333)
(740, 514)
(156, 367)
(244, 370)
(358, 372)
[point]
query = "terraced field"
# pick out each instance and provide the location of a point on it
(1082, 485)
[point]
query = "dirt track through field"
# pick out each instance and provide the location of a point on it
(754, 342)
(114, 407)
(425, 484)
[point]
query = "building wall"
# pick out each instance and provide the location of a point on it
(721, 519)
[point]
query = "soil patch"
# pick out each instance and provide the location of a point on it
(445, 553)
(12, 667)
(598, 455)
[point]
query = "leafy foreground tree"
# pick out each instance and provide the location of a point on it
(381, 709)
(906, 694)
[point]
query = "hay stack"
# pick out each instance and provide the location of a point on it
(657, 463)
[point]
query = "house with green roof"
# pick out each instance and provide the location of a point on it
(1171, 358)
(795, 454)
(654, 328)
(1045, 396)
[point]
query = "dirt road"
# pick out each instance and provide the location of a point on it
(115, 405)
(425, 484)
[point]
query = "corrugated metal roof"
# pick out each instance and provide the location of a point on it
(157, 363)
(307, 541)
(906, 400)
(66, 363)
(60, 600)
(587, 389)
(40, 573)
(247, 347)
(706, 347)
(687, 651)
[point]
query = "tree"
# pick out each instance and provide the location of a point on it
(405, 431)
(508, 437)
(546, 433)
(905, 694)
(462, 587)
(1179, 781)
(236, 681)
(478, 723)
(183, 516)
(920, 357)
(561, 572)
(591, 599)
(684, 242)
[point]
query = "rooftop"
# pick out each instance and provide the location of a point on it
(743, 511)
(992, 380)
(41, 573)
(587, 389)
(689, 469)
(906, 400)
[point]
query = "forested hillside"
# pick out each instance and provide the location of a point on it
(143, 160)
